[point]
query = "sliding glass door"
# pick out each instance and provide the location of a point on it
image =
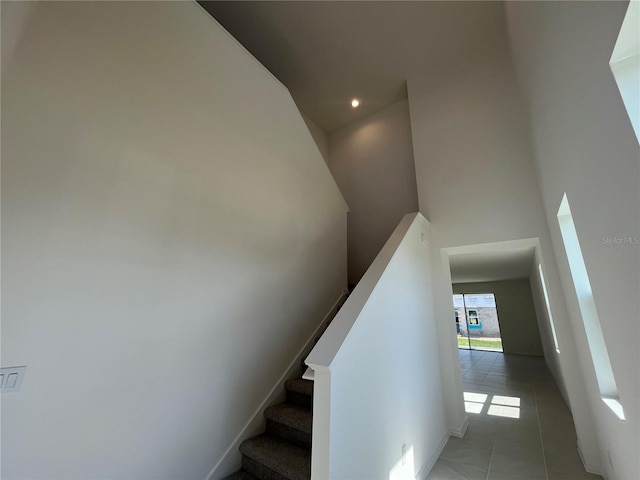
(477, 326)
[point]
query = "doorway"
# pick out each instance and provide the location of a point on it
(477, 325)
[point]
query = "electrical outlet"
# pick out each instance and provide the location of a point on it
(11, 378)
(404, 454)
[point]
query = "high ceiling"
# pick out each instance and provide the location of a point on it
(328, 52)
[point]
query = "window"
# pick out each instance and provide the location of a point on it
(588, 311)
(473, 317)
(625, 64)
(546, 301)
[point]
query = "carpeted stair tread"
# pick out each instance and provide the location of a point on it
(290, 461)
(240, 475)
(300, 385)
(291, 415)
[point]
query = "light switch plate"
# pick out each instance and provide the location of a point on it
(11, 378)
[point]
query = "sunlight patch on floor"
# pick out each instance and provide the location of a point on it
(499, 405)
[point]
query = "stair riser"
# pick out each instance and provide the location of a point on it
(240, 475)
(299, 399)
(288, 433)
(260, 471)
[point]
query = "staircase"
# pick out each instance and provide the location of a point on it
(283, 452)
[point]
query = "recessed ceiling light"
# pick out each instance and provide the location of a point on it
(355, 103)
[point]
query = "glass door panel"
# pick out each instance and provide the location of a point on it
(477, 325)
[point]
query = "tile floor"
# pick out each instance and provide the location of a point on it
(519, 426)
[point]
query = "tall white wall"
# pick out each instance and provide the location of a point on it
(171, 237)
(372, 162)
(516, 313)
(473, 154)
(585, 146)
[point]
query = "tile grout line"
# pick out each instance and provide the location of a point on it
(471, 368)
(480, 386)
(491, 458)
(493, 448)
(544, 457)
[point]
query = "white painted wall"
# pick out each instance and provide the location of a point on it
(321, 138)
(379, 361)
(516, 313)
(473, 153)
(543, 314)
(585, 146)
(171, 237)
(372, 162)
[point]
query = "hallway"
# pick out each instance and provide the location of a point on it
(519, 425)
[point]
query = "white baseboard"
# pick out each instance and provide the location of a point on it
(426, 468)
(231, 459)
(461, 430)
(590, 467)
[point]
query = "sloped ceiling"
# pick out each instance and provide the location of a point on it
(328, 52)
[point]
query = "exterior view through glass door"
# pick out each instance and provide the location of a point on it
(477, 324)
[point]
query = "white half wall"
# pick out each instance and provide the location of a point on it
(372, 162)
(171, 237)
(585, 147)
(516, 313)
(379, 364)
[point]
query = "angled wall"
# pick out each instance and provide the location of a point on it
(378, 369)
(585, 147)
(372, 162)
(171, 236)
(321, 138)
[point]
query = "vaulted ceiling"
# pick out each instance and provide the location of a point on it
(328, 52)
